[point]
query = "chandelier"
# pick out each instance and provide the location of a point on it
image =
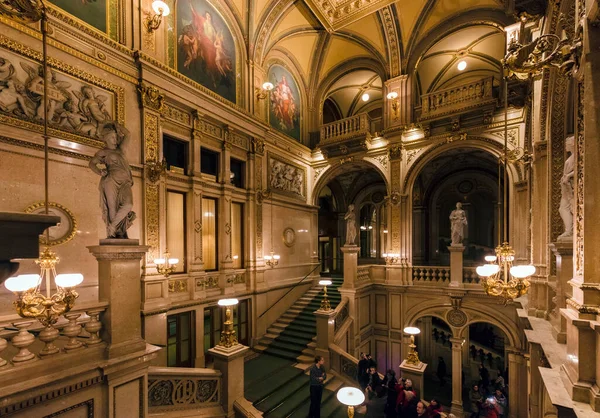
(31, 302)
(499, 277)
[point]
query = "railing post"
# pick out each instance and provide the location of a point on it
(119, 285)
(456, 265)
(325, 333)
(230, 362)
(350, 265)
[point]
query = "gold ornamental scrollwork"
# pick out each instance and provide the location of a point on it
(154, 169)
(396, 152)
(151, 97)
(258, 146)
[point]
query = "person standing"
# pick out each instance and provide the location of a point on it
(317, 377)
(363, 365)
(441, 371)
(476, 401)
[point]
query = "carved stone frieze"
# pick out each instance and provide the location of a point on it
(286, 177)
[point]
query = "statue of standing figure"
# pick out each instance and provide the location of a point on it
(116, 198)
(567, 189)
(458, 221)
(350, 218)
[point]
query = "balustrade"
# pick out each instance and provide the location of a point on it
(346, 128)
(363, 275)
(341, 315)
(470, 275)
(431, 274)
(455, 98)
(24, 341)
(178, 388)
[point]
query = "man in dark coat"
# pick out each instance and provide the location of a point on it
(317, 377)
(362, 376)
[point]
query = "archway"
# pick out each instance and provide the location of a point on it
(465, 175)
(362, 185)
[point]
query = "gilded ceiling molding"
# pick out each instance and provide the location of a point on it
(274, 15)
(335, 14)
(393, 40)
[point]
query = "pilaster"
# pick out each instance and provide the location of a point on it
(457, 404)
(350, 266)
(398, 111)
(456, 265)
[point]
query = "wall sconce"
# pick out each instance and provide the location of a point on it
(395, 103)
(264, 92)
(160, 9)
(272, 260)
(166, 265)
(391, 258)
(325, 305)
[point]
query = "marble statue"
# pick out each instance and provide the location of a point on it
(350, 218)
(567, 189)
(116, 198)
(458, 221)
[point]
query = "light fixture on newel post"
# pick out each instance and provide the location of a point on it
(228, 337)
(499, 277)
(160, 9)
(350, 397)
(31, 301)
(325, 304)
(413, 355)
(166, 265)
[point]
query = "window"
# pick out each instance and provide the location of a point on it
(241, 322)
(209, 233)
(180, 337)
(176, 228)
(368, 231)
(209, 162)
(212, 330)
(237, 235)
(176, 154)
(237, 168)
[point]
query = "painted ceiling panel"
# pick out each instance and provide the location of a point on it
(259, 9)
(370, 29)
(344, 99)
(444, 9)
(492, 46)
(294, 19)
(341, 50)
(240, 7)
(429, 68)
(302, 48)
(460, 39)
(408, 12)
(355, 78)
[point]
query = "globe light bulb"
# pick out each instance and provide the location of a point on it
(365, 97)
(68, 279)
(462, 64)
(521, 272)
(161, 8)
(487, 270)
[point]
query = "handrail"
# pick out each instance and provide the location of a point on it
(290, 289)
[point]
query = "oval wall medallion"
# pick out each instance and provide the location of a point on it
(456, 318)
(289, 237)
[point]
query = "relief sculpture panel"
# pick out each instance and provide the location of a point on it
(287, 177)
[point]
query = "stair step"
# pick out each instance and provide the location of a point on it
(263, 388)
(287, 339)
(280, 395)
(292, 348)
(280, 353)
(298, 334)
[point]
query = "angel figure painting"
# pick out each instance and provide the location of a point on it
(284, 109)
(73, 105)
(92, 12)
(205, 47)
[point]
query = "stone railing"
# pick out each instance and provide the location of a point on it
(343, 364)
(470, 275)
(342, 313)
(23, 341)
(179, 388)
(345, 128)
(457, 98)
(431, 274)
(363, 274)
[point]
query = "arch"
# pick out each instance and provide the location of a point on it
(486, 144)
(332, 172)
(475, 313)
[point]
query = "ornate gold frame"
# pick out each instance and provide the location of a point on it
(67, 237)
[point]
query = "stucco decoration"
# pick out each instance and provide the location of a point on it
(456, 318)
(287, 177)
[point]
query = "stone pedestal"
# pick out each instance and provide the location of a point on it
(350, 265)
(230, 362)
(416, 373)
(563, 252)
(456, 265)
(119, 285)
(325, 333)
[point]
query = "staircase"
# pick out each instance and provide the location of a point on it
(292, 336)
(277, 382)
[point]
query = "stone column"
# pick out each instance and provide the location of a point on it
(325, 333)
(350, 265)
(563, 251)
(457, 404)
(119, 285)
(456, 265)
(230, 362)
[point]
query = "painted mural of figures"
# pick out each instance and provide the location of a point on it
(567, 189)
(283, 104)
(222, 60)
(189, 44)
(350, 218)
(116, 198)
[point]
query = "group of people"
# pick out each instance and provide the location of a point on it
(488, 398)
(397, 398)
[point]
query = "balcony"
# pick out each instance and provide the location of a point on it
(458, 99)
(349, 134)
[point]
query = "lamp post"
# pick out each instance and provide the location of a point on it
(228, 338)
(351, 397)
(325, 305)
(413, 355)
